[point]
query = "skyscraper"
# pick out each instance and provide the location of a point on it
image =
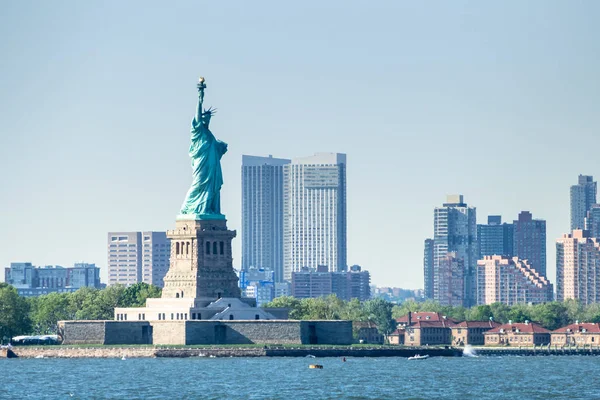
(495, 238)
(530, 241)
(583, 195)
(428, 268)
(455, 230)
(314, 213)
(578, 267)
(138, 257)
(592, 221)
(262, 213)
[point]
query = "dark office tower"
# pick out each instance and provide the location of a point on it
(428, 268)
(495, 238)
(583, 196)
(530, 241)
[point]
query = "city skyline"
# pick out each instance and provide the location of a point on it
(94, 119)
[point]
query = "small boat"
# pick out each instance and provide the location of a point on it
(40, 356)
(315, 366)
(123, 358)
(418, 357)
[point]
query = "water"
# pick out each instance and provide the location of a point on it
(551, 377)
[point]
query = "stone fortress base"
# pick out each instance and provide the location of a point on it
(206, 332)
(201, 303)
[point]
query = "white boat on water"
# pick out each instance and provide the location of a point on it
(418, 357)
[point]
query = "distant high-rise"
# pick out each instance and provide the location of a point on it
(138, 257)
(583, 195)
(592, 221)
(529, 241)
(510, 280)
(35, 281)
(428, 268)
(455, 231)
(314, 213)
(347, 285)
(495, 238)
(578, 267)
(262, 213)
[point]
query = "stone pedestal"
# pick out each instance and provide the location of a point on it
(201, 261)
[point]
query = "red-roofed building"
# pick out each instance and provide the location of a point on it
(471, 332)
(577, 334)
(423, 316)
(527, 334)
(423, 328)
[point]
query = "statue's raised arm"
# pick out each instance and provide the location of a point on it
(201, 86)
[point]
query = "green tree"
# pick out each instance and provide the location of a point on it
(136, 295)
(379, 312)
(47, 310)
(14, 313)
(480, 313)
(550, 315)
(520, 313)
(500, 312)
(297, 309)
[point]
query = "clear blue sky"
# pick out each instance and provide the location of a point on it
(494, 100)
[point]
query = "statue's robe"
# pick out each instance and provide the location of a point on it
(203, 198)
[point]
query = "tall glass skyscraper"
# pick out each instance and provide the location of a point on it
(315, 213)
(428, 268)
(262, 214)
(583, 196)
(455, 231)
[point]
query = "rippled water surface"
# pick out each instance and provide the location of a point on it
(567, 377)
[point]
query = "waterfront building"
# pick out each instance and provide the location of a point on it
(529, 241)
(262, 213)
(35, 281)
(423, 316)
(578, 267)
(138, 257)
(310, 283)
(527, 334)
(451, 281)
(510, 281)
(428, 268)
(315, 213)
(495, 237)
(367, 332)
(579, 334)
(455, 231)
(471, 332)
(427, 333)
(583, 195)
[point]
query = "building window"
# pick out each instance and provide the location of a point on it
(159, 316)
(193, 315)
(163, 316)
(172, 315)
(177, 248)
(187, 248)
(222, 248)
(176, 295)
(215, 248)
(185, 316)
(199, 316)
(257, 316)
(207, 247)
(230, 316)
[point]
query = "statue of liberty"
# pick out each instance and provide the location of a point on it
(203, 200)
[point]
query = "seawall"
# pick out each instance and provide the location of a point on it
(269, 351)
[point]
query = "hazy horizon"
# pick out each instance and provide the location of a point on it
(495, 101)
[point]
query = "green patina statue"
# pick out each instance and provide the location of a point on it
(203, 200)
